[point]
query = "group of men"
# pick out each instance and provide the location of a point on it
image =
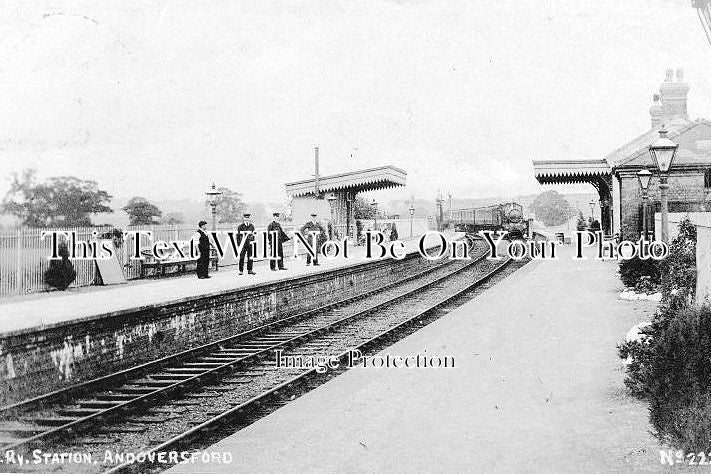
(276, 238)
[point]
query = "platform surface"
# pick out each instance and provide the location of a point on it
(49, 309)
(537, 387)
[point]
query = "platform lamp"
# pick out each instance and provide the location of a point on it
(374, 203)
(440, 212)
(412, 214)
(645, 177)
(213, 194)
(592, 210)
(331, 198)
(663, 152)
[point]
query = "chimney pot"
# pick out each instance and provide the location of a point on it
(674, 95)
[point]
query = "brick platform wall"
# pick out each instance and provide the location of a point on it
(686, 194)
(39, 361)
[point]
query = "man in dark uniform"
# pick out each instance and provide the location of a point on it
(204, 248)
(245, 230)
(277, 237)
(314, 226)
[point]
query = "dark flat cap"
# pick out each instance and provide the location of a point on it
(202, 223)
(247, 215)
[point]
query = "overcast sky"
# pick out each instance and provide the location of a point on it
(160, 98)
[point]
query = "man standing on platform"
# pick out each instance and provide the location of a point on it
(204, 248)
(314, 226)
(277, 237)
(246, 231)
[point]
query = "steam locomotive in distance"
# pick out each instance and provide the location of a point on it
(499, 217)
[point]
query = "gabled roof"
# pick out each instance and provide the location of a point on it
(362, 180)
(622, 154)
(693, 137)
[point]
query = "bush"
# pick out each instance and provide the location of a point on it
(671, 368)
(679, 268)
(638, 354)
(60, 273)
(645, 284)
(691, 424)
(678, 378)
(635, 268)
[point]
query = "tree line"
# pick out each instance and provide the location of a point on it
(67, 201)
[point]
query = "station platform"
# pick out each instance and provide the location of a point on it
(47, 310)
(537, 387)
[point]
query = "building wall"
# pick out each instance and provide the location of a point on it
(303, 206)
(686, 194)
(616, 205)
(703, 264)
(674, 218)
(37, 361)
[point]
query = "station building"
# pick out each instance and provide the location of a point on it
(615, 175)
(332, 197)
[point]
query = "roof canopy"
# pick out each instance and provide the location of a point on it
(364, 180)
(570, 171)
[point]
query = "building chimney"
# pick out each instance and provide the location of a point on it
(673, 95)
(656, 113)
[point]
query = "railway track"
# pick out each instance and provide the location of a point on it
(165, 403)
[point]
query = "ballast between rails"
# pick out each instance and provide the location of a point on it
(200, 378)
(177, 441)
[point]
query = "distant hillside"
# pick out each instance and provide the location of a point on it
(192, 211)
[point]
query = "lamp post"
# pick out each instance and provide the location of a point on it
(644, 176)
(663, 152)
(374, 203)
(412, 214)
(212, 196)
(331, 198)
(592, 210)
(440, 217)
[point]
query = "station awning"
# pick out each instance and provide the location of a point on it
(570, 171)
(363, 180)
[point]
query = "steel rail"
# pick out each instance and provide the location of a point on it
(122, 375)
(260, 399)
(199, 378)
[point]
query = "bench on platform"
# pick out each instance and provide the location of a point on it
(159, 266)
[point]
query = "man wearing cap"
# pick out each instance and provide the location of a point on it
(314, 226)
(277, 237)
(203, 261)
(245, 230)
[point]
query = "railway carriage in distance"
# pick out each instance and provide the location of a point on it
(499, 217)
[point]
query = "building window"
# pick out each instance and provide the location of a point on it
(707, 178)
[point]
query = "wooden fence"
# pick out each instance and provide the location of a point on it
(24, 254)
